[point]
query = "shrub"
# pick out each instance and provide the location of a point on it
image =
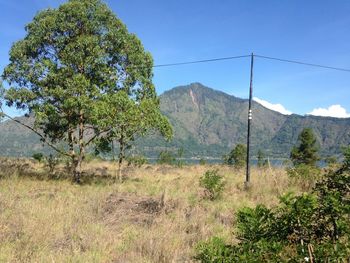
(237, 157)
(202, 161)
(312, 225)
(262, 161)
(51, 162)
(304, 175)
(214, 250)
(346, 153)
(137, 160)
(331, 160)
(38, 156)
(213, 184)
(166, 157)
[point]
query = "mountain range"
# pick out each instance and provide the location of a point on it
(208, 123)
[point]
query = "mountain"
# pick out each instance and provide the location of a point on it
(209, 123)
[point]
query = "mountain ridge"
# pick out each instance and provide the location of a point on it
(209, 122)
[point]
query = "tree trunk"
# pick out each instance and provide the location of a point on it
(121, 157)
(80, 157)
(76, 166)
(120, 178)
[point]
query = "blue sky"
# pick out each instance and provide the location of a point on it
(173, 31)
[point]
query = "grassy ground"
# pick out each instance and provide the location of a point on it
(156, 215)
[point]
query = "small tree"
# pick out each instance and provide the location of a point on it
(237, 157)
(166, 157)
(125, 119)
(180, 155)
(307, 151)
(261, 159)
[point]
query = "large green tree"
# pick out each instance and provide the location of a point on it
(306, 152)
(71, 61)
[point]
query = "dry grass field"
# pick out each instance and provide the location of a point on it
(157, 214)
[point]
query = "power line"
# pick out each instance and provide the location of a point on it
(199, 61)
(303, 63)
(244, 56)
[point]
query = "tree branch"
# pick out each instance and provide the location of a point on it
(37, 133)
(96, 135)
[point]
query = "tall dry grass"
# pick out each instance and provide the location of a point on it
(156, 215)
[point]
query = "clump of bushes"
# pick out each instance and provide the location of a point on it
(202, 161)
(167, 157)
(213, 184)
(304, 175)
(38, 157)
(137, 160)
(312, 227)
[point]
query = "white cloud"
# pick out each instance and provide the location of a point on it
(336, 111)
(275, 107)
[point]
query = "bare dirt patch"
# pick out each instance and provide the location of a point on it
(125, 207)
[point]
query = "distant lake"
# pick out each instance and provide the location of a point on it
(273, 161)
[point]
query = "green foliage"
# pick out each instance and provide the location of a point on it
(202, 161)
(304, 172)
(331, 160)
(38, 156)
(346, 153)
(214, 250)
(51, 162)
(2, 92)
(166, 157)
(315, 224)
(137, 160)
(307, 150)
(213, 184)
(237, 157)
(262, 161)
(128, 119)
(254, 224)
(180, 154)
(76, 64)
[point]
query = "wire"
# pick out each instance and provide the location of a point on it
(244, 56)
(199, 61)
(302, 63)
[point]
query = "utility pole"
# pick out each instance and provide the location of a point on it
(247, 178)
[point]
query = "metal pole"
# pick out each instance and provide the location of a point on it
(247, 179)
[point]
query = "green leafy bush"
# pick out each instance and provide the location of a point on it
(312, 225)
(51, 162)
(304, 175)
(202, 161)
(166, 157)
(213, 184)
(38, 156)
(137, 160)
(214, 250)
